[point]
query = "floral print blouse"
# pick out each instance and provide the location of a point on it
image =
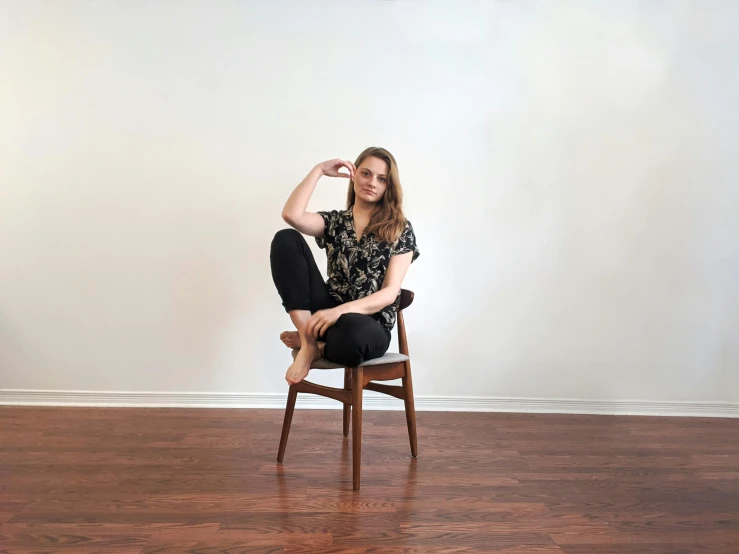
(356, 268)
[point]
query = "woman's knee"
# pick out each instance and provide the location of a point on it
(352, 340)
(344, 353)
(344, 343)
(286, 238)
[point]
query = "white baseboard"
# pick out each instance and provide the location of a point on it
(372, 401)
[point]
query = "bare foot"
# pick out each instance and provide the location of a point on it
(301, 366)
(291, 339)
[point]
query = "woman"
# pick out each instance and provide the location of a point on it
(369, 247)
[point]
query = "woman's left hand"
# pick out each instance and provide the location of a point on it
(320, 321)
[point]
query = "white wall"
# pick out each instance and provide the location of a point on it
(570, 169)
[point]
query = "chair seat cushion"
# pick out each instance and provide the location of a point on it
(388, 358)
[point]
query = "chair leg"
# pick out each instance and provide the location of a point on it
(357, 377)
(292, 395)
(347, 407)
(410, 409)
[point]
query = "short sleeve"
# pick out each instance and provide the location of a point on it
(329, 228)
(406, 243)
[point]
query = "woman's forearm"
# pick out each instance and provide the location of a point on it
(298, 200)
(370, 304)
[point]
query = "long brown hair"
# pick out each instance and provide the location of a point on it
(387, 221)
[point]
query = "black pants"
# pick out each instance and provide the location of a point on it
(354, 338)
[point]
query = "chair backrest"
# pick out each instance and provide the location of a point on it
(406, 298)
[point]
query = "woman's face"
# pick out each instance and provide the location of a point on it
(370, 179)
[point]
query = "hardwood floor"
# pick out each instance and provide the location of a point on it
(87, 480)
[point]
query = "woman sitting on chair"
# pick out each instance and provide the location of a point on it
(369, 247)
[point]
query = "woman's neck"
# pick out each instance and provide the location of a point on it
(362, 213)
(363, 210)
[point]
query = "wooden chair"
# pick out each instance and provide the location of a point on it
(356, 379)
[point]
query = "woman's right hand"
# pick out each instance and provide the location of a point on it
(331, 168)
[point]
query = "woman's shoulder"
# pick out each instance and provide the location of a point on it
(406, 242)
(336, 213)
(335, 218)
(407, 228)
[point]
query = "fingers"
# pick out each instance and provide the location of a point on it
(309, 326)
(326, 324)
(316, 327)
(348, 165)
(313, 325)
(337, 164)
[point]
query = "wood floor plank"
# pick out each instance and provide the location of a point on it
(661, 548)
(175, 480)
(235, 540)
(81, 539)
(426, 549)
(721, 540)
